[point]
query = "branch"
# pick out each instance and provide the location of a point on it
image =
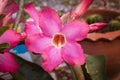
(21, 4)
(78, 72)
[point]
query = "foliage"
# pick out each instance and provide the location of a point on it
(95, 67)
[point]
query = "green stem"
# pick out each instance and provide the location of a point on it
(73, 73)
(77, 72)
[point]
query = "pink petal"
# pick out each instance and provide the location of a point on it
(73, 54)
(31, 28)
(7, 18)
(37, 43)
(8, 63)
(51, 58)
(30, 9)
(97, 26)
(76, 30)
(13, 6)
(81, 8)
(50, 22)
(3, 3)
(10, 37)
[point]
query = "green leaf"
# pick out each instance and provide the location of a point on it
(3, 29)
(95, 68)
(30, 71)
(2, 16)
(4, 46)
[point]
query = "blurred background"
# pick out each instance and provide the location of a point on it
(67, 5)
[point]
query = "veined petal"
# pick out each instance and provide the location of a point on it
(31, 28)
(97, 26)
(76, 30)
(10, 37)
(37, 43)
(51, 58)
(3, 3)
(81, 8)
(73, 54)
(8, 63)
(30, 9)
(13, 6)
(50, 22)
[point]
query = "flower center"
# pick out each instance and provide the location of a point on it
(58, 40)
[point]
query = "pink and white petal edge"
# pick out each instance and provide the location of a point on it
(31, 28)
(37, 43)
(73, 54)
(34, 14)
(51, 58)
(76, 30)
(50, 22)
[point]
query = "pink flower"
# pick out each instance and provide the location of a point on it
(79, 11)
(7, 61)
(82, 8)
(97, 26)
(7, 9)
(56, 43)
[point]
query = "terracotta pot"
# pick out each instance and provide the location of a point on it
(107, 44)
